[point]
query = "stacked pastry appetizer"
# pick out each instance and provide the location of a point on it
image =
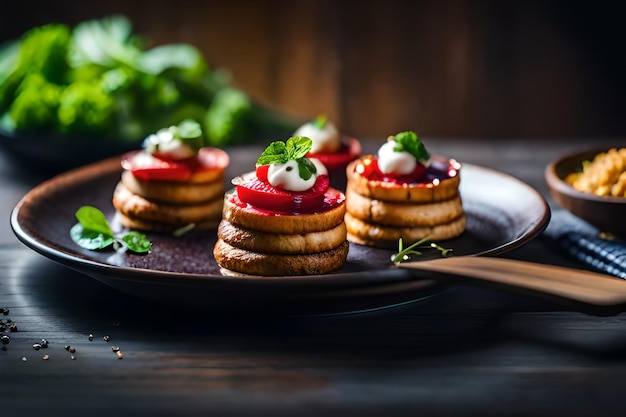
(283, 218)
(403, 193)
(174, 181)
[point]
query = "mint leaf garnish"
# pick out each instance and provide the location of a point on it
(93, 219)
(295, 148)
(298, 146)
(93, 232)
(188, 129)
(409, 142)
(275, 153)
(90, 239)
(189, 132)
(306, 168)
(136, 242)
(320, 121)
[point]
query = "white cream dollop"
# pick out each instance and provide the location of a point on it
(143, 160)
(395, 163)
(325, 140)
(286, 176)
(163, 143)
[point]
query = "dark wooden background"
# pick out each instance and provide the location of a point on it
(462, 68)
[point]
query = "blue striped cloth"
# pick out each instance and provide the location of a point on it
(608, 256)
(585, 244)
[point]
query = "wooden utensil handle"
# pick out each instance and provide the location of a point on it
(590, 292)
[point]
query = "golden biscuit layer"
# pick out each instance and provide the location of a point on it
(401, 193)
(369, 234)
(380, 213)
(298, 243)
(247, 217)
(255, 242)
(236, 261)
(141, 213)
(175, 192)
(403, 214)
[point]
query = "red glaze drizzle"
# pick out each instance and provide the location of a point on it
(268, 199)
(331, 198)
(439, 169)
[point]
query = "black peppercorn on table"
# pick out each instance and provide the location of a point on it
(71, 345)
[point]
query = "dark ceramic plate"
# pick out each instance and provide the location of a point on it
(503, 213)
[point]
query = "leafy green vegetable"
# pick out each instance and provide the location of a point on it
(176, 56)
(37, 105)
(107, 42)
(34, 66)
(227, 117)
(93, 232)
(11, 54)
(404, 254)
(409, 142)
(44, 50)
(101, 78)
(85, 108)
(9, 73)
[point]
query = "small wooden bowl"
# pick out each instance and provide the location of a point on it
(608, 214)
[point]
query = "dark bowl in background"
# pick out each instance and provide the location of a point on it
(52, 152)
(607, 214)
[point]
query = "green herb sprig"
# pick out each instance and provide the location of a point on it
(295, 148)
(405, 254)
(320, 121)
(188, 129)
(93, 232)
(183, 230)
(409, 142)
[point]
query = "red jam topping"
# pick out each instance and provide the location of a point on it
(349, 150)
(438, 170)
(151, 168)
(263, 196)
(331, 199)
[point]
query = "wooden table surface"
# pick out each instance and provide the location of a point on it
(467, 351)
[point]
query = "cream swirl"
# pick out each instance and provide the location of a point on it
(286, 176)
(325, 139)
(395, 162)
(165, 144)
